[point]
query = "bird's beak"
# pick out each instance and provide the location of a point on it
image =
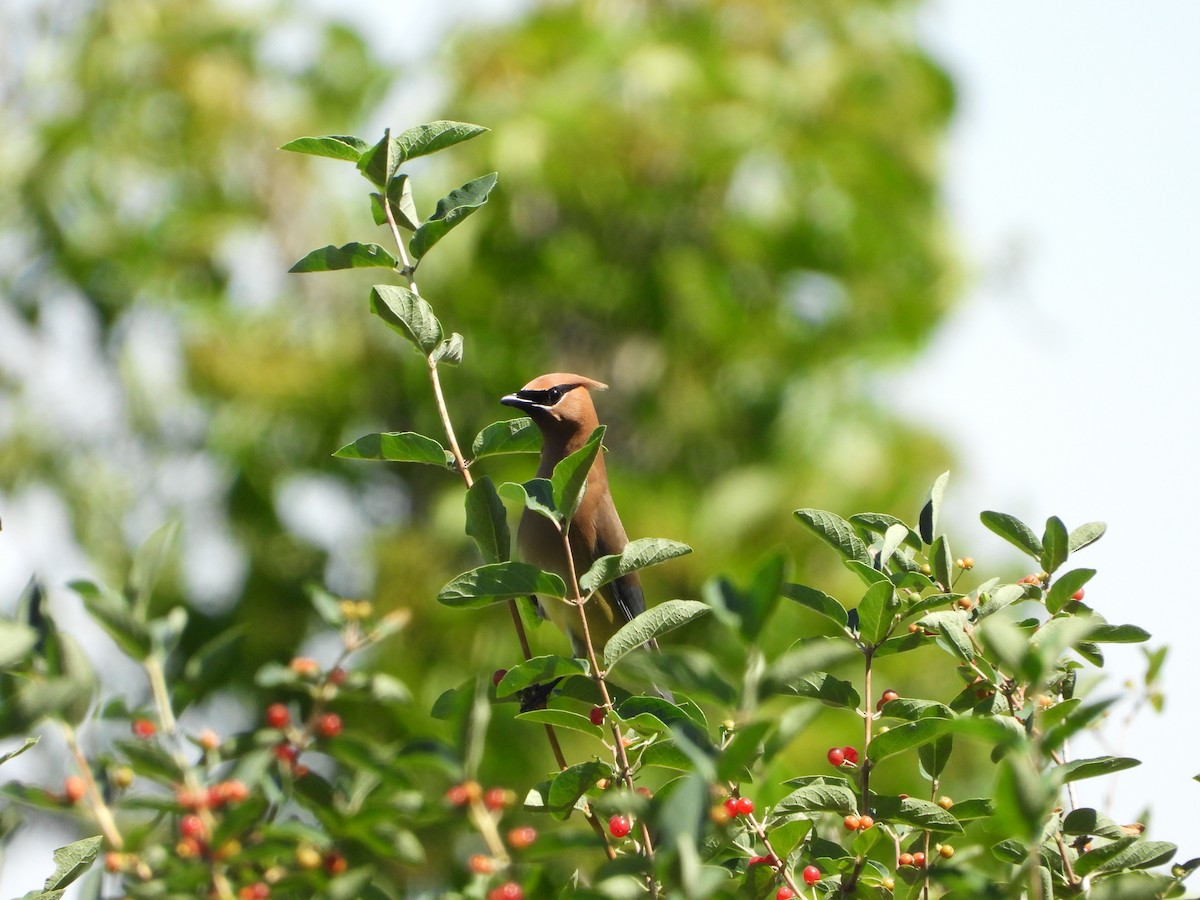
(517, 401)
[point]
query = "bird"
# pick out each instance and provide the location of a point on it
(560, 405)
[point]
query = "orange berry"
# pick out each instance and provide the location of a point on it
(520, 838)
(481, 865)
(143, 728)
(335, 863)
(945, 851)
(865, 822)
(850, 823)
(905, 859)
(74, 788)
(945, 802)
(209, 739)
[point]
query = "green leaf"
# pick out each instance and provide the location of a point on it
(348, 256)
(819, 797)
(331, 146)
(972, 808)
(749, 608)
(824, 687)
(836, 532)
(1064, 586)
(666, 755)
(817, 601)
(573, 782)
(743, 749)
(148, 562)
(449, 351)
(16, 643)
(807, 656)
(1079, 769)
(149, 759)
(1124, 853)
(562, 718)
(510, 436)
(1014, 531)
(935, 755)
(877, 612)
(408, 314)
(487, 521)
(1089, 821)
(650, 624)
(879, 523)
(952, 625)
(29, 742)
(906, 736)
(920, 814)
(569, 480)
(939, 559)
(537, 495)
(638, 554)
(1118, 634)
(892, 539)
(539, 670)
(115, 616)
(432, 137)
(1001, 597)
(72, 861)
(1132, 886)
(1054, 545)
(499, 581)
(1085, 534)
(635, 710)
(404, 211)
(378, 163)
(451, 211)
(398, 446)
(928, 520)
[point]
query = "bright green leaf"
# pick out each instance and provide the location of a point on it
(824, 687)
(562, 718)
(72, 861)
(432, 137)
(877, 612)
(573, 782)
(1064, 586)
(1014, 531)
(408, 314)
(638, 554)
(879, 523)
(653, 622)
(930, 512)
(500, 581)
(487, 521)
(1054, 545)
(509, 436)
(16, 642)
(451, 210)
(539, 670)
(836, 532)
(348, 256)
(1085, 535)
(331, 146)
(906, 736)
(1079, 769)
(817, 601)
(398, 446)
(449, 351)
(570, 475)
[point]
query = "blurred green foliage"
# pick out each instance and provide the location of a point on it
(726, 210)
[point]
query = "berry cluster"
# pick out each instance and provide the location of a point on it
(492, 803)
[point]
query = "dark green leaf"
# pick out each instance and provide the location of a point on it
(572, 783)
(1090, 822)
(1014, 531)
(432, 137)
(451, 210)
(879, 523)
(562, 718)
(682, 713)
(509, 436)
(537, 494)
(906, 737)
(500, 581)
(636, 555)
(817, 601)
(407, 314)
(1064, 586)
(824, 687)
(570, 475)
(920, 814)
(72, 861)
(1054, 545)
(935, 755)
(404, 211)
(928, 520)
(836, 532)
(378, 163)
(487, 521)
(331, 146)
(1079, 769)
(398, 446)
(1124, 853)
(820, 797)
(1118, 634)
(1085, 534)
(348, 256)
(1131, 886)
(943, 565)
(539, 670)
(869, 574)
(877, 612)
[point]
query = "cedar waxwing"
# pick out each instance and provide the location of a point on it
(562, 409)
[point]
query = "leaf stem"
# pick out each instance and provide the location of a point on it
(100, 809)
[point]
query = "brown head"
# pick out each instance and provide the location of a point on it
(561, 407)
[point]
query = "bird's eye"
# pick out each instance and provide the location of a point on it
(554, 395)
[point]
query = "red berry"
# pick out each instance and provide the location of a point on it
(836, 756)
(618, 826)
(596, 715)
(191, 826)
(329, 725)
(731, 806)
(277, 716)
(745, 806)
(143, 728)
(335, 863)
(508, 891)
(904, 859)
(851, 755)
(498, 675)
(851, 823)
(520, 838)
(336, 676)
(919, 860)
(497, 798)
(865, 822)
(886, 697)
(756, 860)
(1078, 595)
(74, 788)
(481, 865)
(286, 754)
(785, 893)
(811, 875)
